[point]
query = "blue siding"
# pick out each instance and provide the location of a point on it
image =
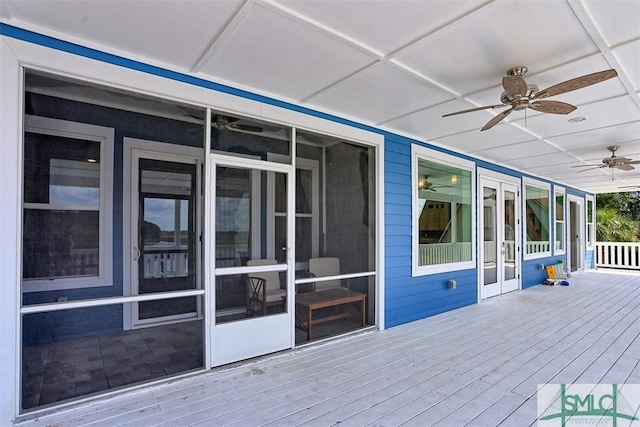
(590, 260)
(407, 298)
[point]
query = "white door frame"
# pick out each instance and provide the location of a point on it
(501, 183)
(314, 167)
(578, 220)
(133, 150)
(264, 334)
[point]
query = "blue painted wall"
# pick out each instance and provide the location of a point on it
(407, 298)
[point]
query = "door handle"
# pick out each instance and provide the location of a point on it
(136, 252)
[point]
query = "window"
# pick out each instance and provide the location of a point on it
(591, 223)
(443, 212)
(537, 218)
(560, 228)
(67, 205)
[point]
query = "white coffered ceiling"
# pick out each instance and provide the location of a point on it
(398, 65)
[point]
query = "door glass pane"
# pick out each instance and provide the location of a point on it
(509, 235)
(233, 216)
(245, 238)
(490, 235)
(167, 236)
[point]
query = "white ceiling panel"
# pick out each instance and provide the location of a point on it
(397, 64)
(598, 137)
(294, 60)
(363, 91)
(599, 114)
(471, 64)
(430, 124)
(629, 57)
(545, 159)
(507, 153)
(618, 21)
(475, 140)
(146, 29)
(370, 23)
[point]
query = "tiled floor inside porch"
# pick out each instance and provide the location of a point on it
(476, 366)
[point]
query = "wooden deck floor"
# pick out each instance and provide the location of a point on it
(476, 366)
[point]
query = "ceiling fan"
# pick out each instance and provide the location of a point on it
(519, 95)
(424, 184)
(231, 123)
(622, 163)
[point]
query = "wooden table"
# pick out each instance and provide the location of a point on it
(307, 303)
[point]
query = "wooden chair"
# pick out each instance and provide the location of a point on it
(263, 289)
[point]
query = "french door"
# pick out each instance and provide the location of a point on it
(165, 238)
(253, 279)
(499, 237)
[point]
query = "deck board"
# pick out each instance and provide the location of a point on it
(476, 366)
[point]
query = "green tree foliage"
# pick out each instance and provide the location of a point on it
(618, 217)
(613, 227)
(627, 204)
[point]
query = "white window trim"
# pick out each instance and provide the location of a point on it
(590, 231)
(543, 186)
(419, 152)
(105, 136)
(560, 191)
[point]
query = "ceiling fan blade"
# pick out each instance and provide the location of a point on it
(625, 167)
(497, 119)
(595, 167)
(587, 166)
(554, 107)
(488, 107)
(246, 128)
(514, 86)
(633, 162)
(577, 83)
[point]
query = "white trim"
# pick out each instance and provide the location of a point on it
(105, 136)
(99, 302)
(11, 130)
(558, 190)
(422, 153)
(581, 227)
(17, 52)
(303, 164)
(590, 233)
(132, 149)
(542, 186)
(499, 180)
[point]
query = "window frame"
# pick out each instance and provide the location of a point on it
(540, 185)
(590, 225)
(423, 153)
(105, 136)
(557, 190)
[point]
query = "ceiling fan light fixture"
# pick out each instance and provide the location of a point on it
(422, 183)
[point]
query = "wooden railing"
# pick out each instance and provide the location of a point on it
(618, 255)
(441, 253)
(166, 263)
(534, 247)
